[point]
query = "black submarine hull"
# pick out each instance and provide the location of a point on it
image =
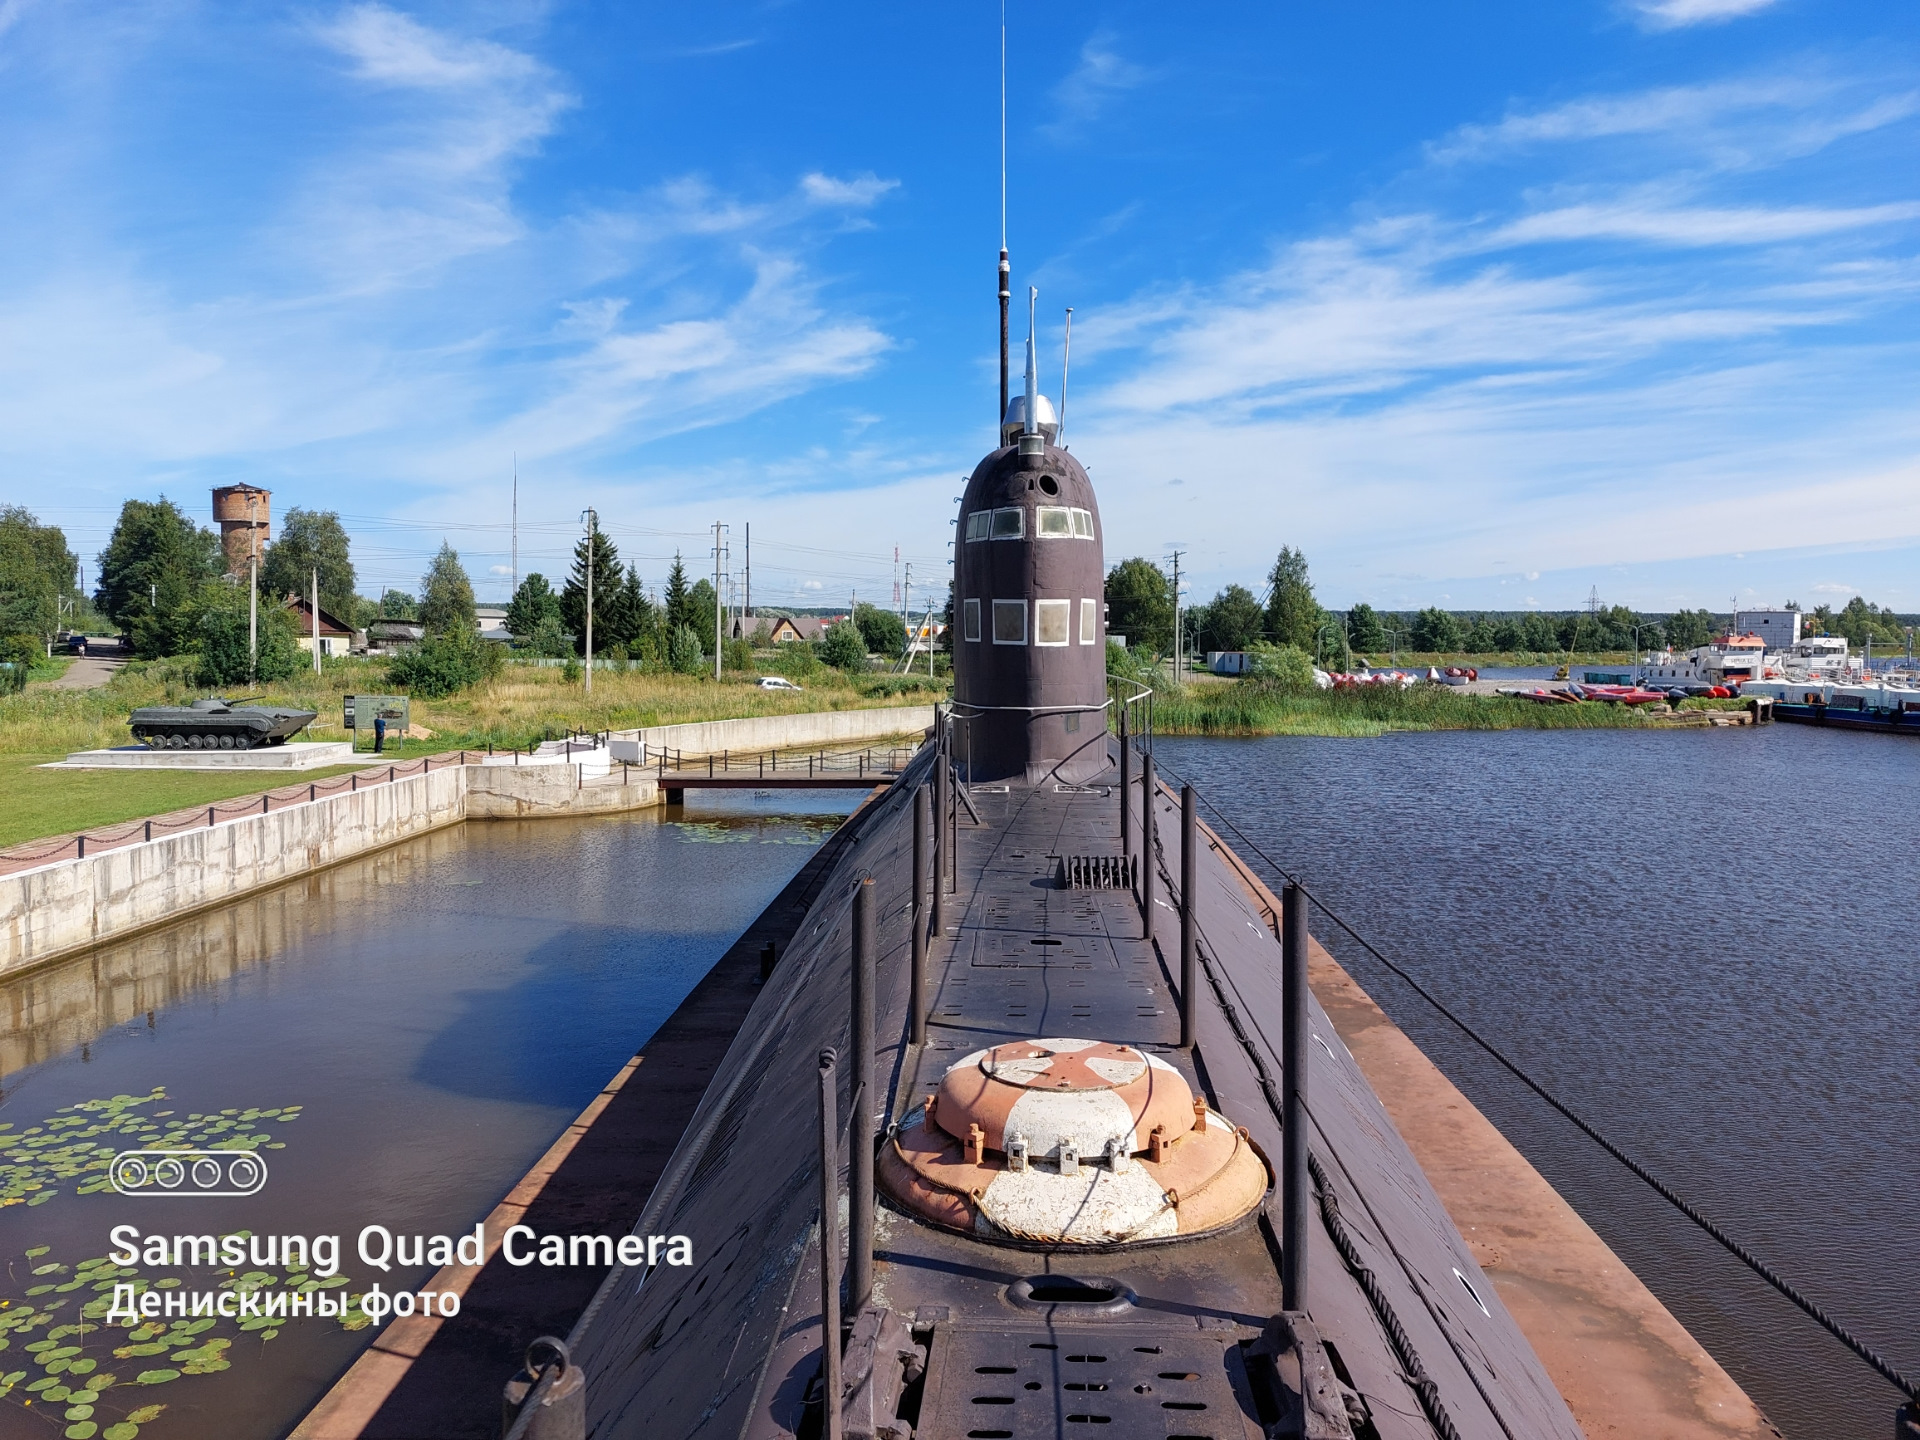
(1169, 1338)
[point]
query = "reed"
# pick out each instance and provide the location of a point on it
(1249, 708)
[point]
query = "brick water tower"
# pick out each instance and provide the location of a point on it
(245, 516)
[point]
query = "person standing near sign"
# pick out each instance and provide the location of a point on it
(379, 732)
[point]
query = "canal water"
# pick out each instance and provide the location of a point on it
(437, 1013)
(1704, 943)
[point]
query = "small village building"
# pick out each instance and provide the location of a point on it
(335, 638)
(384, 637)
(492, 623)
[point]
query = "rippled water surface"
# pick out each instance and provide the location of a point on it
(440, 1010)
(1705, 943)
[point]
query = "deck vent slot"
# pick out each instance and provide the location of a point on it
(1097, 872)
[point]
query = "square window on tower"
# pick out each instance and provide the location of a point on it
(1050, 621)
(970, 612)
(1009, 524)
(1052, 522)
(977, 524)
(1083, 524)
(1089, 622)
(1009, 622)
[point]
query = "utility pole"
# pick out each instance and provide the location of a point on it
(253, 619)
(515, 562)
(717, 528)
(906, 613)
(1176, 615)
(593, 525)
(316, 619)
(746, 605)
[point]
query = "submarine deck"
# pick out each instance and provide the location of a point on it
(1025, 959)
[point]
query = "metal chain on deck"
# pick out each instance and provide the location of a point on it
(1883, 1367)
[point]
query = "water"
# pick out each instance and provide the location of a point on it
(1703, 942)
(442, 1010)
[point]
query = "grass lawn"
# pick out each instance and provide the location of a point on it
(54, 802)
(523, 704)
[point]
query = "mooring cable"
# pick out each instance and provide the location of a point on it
(1766, 1272)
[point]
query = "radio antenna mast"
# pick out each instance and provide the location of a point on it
(1066, 358)
(1006, 290)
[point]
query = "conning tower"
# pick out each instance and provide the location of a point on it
(1030, 648)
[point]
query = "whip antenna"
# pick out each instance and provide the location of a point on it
(1006, 289)
(1066, 359)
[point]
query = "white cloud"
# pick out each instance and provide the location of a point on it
(1672, 14)
(859, 192)
(1734, 124)
(1100, 77)
(1695, 225)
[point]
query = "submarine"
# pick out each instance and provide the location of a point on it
(1035, 1130)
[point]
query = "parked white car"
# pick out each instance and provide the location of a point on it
(777, 682)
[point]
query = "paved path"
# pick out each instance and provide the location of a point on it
(88, 672)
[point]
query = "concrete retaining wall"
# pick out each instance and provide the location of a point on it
(780, 732)
(508, 793)
(73, 904)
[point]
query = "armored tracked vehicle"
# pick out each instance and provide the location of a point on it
(216, 724)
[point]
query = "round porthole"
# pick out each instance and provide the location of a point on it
(1049, 485)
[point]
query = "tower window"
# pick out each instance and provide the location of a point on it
(970, 619)
(1052, 522)
(1083, 524)
(1010, 622)
(1050, 620)
(977, 524)
(1009, 524)
(1089, 622)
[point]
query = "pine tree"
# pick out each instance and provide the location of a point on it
(606, 592)
(1292, 613)
(679, 595)
(532, 603)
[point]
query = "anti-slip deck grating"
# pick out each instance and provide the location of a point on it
(1028, 1381)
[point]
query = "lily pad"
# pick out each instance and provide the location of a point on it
(155, 1377)
(145, 1414)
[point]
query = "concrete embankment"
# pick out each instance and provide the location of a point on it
(73, 904)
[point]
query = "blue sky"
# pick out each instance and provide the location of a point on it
(1479, 305)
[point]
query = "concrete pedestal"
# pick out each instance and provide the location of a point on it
(312, 755)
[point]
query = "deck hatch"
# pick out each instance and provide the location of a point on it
(1119, 1381)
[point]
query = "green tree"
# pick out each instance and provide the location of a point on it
(311, 539)
(1861, 621)
(1293, 615)
(1436, 631)
(1140, 605)
(1537, 633)
(632, 616)
(678, 610)
(884, 631)
(532, 604)
(700, 608)
(607, 578)
(150, 575)
(446, 596)
(1286, 668)
(1232, 620)
(683, 651)
(36, 575)
(399, 605)
(221, 637)
(446, 661)
(1364, 630)
(549, 638)
(844, 647)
